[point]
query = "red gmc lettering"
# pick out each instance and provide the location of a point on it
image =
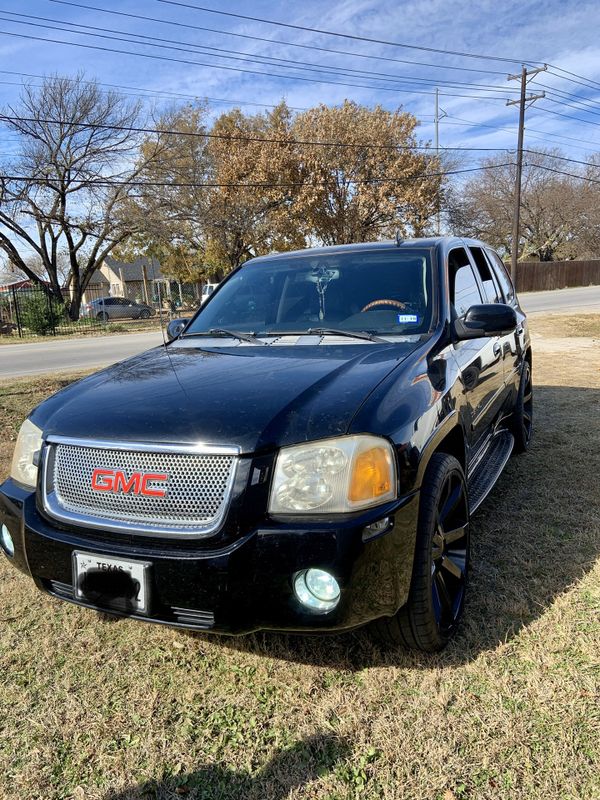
(103, 480)
(127, 486)
(151, 477)
(116, 481)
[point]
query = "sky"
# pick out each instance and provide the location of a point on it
(196, 53)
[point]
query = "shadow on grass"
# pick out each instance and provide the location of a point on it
(287, 770)
(535, 535)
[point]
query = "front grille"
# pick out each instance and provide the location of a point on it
(196, 489)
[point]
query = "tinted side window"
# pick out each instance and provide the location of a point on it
(488, 278)
(502, 274)
(464, 291)
(108, 301)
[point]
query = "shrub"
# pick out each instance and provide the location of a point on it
(40, 314)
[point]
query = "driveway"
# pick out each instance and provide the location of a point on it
(78, 354)
(578, 300)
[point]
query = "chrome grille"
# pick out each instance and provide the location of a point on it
(197, 488)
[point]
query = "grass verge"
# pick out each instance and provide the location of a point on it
(119, 710)
(566, 325)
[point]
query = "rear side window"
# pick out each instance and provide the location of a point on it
(489, 281)
(502, 275)
(464, 291)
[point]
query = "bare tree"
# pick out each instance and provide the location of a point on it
(553, 206)
(67, 191)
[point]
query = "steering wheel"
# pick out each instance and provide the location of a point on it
(383, 302)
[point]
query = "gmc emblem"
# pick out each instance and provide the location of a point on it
(115, 481)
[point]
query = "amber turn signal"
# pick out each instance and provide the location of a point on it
(371, 475)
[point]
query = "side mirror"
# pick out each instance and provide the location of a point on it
(492, 319)
(175, 328)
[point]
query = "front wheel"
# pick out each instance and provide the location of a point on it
(439, 580)
(522, 419)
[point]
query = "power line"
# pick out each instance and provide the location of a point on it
(391, 179)
(195, 185)
(586, 101)
(354, 37)
(567, 174)
(232, 69)
(163, 93)
(173, 44)
(270, 140)
(450, 120)
(566, 116)
(240, 137)
(276, 41)
(573, 75)
(528, 129)
(564, 104)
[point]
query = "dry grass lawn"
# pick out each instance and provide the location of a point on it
(566, 325)
(100, 710)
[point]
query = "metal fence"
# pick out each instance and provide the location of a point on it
(538, 276)
(32, 312)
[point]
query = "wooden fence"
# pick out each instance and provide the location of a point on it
(537, 276)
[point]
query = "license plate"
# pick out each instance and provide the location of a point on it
(111, 583)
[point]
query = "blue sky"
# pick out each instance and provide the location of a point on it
(563, 33)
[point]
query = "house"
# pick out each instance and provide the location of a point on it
(140, 280)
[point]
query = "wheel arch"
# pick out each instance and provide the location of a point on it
(448, 438)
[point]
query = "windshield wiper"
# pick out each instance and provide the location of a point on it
(352, 334)
(243, 337)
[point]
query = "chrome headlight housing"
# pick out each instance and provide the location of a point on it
(333, 476)
(24, 467)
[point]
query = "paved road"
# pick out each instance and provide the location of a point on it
(77, 354)
(578, 300)
(90, 353)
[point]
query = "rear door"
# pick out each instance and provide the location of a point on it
(516, 342)
(480, 360)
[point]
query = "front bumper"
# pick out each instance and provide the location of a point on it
(243, 585)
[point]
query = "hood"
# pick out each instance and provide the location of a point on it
(253, 397)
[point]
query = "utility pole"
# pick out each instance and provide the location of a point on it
(524, 99)
(437, 119)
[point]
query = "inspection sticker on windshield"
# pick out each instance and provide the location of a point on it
(411, 319)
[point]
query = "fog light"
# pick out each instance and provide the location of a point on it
(317, 589)
(6, 541)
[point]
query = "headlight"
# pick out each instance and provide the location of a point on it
(24, 464)
(333, 476)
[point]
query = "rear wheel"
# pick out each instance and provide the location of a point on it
(437, 593)
(102, 316)
(144, 313)
(522, 420)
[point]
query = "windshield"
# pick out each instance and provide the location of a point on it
(379, 291)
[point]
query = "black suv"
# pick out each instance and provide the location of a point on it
(304, 454)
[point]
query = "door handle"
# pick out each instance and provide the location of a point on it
(497, 350)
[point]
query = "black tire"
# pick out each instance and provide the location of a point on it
(102, 316)
(522, 418)
(437, 593)
(144, 314)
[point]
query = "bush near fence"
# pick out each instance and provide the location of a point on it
(31, 311)
(539, 276)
